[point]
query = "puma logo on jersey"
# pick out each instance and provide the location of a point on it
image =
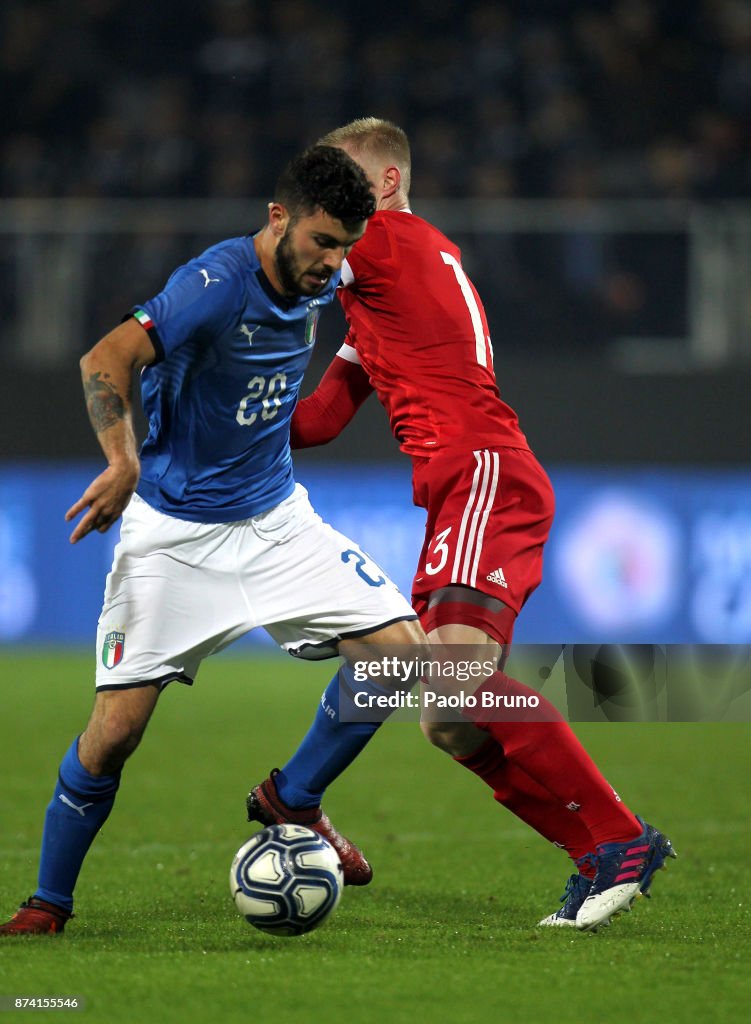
(244, 329)
(208, 280)
(496, 576)
(81, 810)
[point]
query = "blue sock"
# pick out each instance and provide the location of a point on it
(329, 746)
(79, 807)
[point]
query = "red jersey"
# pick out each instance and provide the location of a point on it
(418, 327)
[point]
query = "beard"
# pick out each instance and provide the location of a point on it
(286, 265)
(289, 271)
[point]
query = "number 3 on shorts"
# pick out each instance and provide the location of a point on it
(439, 548)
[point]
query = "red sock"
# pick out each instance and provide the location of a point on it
(531, 802)
(545, 747)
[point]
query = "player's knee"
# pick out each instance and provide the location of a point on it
(122, 734)
(106, 751)
(109, 739)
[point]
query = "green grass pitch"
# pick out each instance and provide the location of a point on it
(446, 931)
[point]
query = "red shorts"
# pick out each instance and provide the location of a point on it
(489, 515)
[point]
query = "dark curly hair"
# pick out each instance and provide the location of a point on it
(326, 178)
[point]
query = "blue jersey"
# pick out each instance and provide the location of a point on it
(231, 353)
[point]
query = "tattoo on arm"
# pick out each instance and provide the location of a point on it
(105, 406)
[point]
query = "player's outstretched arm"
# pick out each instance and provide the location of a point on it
(107, 372)
(322, 416)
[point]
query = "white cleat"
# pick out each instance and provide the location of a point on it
(624, 871)
(599, 909)
(556, 921)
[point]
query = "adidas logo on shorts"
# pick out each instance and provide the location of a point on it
(496, 576)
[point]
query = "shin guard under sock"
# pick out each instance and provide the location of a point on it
(545, 748)
(331, 744)
(79, 807)
(529, 801)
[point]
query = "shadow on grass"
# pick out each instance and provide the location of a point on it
(378, 918)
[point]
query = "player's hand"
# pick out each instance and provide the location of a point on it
(104, 498)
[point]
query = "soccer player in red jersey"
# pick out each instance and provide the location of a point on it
(418, 337)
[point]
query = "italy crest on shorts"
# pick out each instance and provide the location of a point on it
(113, 649)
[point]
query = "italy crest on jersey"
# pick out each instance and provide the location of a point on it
(113, 649)
(311, 324)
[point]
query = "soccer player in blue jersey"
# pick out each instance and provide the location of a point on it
(216, 536)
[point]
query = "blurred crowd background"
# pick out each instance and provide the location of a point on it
(591, 158)
(632, 98)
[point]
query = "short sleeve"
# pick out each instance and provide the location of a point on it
(200, 300)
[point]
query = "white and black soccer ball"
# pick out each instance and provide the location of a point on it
(286, 879)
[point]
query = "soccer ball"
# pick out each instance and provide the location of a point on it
(286, 879)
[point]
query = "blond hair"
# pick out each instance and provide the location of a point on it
(373, 136)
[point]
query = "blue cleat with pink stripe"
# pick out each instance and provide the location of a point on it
(624, 871)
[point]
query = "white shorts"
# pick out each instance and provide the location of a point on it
(180, 591)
